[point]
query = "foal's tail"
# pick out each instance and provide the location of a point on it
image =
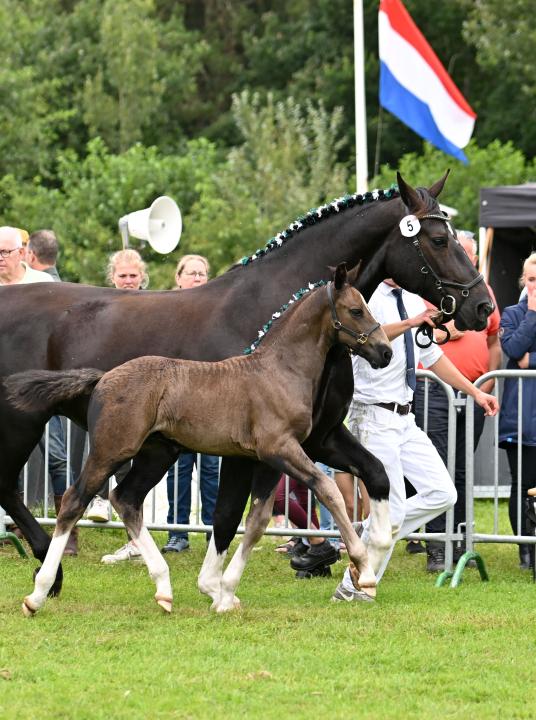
(43, 389)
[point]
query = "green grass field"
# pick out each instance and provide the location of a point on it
(105, 650)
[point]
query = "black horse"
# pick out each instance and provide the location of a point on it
(64, 326)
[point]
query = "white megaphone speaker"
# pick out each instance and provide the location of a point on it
(160, 225)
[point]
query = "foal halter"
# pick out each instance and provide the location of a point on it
(361, 338)
(447, 305)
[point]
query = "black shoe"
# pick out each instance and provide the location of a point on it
(458, 552)
(435, 561)
(414, 547)
(322, 571)
(317, 555)
(299, 548)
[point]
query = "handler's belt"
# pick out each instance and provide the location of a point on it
(395, 407)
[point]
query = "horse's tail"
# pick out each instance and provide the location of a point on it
(43, 389)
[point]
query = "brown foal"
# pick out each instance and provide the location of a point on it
(257, 405)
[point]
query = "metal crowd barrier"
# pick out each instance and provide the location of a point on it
(473, 536)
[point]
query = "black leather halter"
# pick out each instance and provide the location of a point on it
(360, 338)
(447, 305)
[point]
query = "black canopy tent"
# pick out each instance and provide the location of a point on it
(507, 236)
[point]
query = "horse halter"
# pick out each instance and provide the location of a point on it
(361, 338)
(447, 305)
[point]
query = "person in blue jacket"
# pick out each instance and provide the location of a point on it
(518, 341)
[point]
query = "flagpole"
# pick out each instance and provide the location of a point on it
(361, 163)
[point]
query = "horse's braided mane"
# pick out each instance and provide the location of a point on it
(298, 295)
(315, 216)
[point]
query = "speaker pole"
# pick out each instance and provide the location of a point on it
(123, 229)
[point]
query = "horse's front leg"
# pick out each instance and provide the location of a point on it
(297, 464)
(72, 508)
(262, 501)
(341, 450)
(234, 488)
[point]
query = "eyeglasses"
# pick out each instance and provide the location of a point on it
(196, 273)
(7, 253)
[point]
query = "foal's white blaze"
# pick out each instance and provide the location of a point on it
(210, 575)
(46, 575)
(378, 534)
(157, 566)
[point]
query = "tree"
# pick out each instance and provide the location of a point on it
(286, 164)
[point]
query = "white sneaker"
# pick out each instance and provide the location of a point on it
(100, 510)
(127, 552)
(341, 594)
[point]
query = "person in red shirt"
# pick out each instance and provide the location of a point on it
(473, 353)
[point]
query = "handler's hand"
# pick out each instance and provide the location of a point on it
(488, 402)
(428, 317)
(524, 362)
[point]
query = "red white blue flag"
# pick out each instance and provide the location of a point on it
(415, 86)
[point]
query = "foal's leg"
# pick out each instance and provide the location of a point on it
(233, 492)
(150, 464)
(74, 502)
(341, 450)
(262, 501)
(296, 463)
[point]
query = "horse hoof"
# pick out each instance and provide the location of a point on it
(166, 603)
(228, 607)
(28, 608)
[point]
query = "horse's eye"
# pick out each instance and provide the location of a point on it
(356, 312)
(439, 241)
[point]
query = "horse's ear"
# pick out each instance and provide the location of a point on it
(340, 275)
(409, 196)
(354, 273)
(438, 186)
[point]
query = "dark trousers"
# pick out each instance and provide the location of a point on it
(528, 480)
(438, 411)
(208, 475)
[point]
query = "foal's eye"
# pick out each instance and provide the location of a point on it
(439, 240)
(356, 312)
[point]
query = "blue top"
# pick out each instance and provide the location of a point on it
(518, 336)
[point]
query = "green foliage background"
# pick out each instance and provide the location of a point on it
(242, 111)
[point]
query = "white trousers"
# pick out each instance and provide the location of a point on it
(405, 450)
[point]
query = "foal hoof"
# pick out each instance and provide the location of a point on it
(166, 603)
(28, 608)
(226, 606)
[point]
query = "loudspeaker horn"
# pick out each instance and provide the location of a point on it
(160, 224)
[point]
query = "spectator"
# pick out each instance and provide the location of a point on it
(518, 340)
(127, 271)
(381, 418)
(192, 271)
(298, 512)
(42, 254)
(474, 354)
(14, 270)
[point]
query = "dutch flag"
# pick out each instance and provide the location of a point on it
(415, 86)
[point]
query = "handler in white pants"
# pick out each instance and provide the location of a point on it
(381, 419)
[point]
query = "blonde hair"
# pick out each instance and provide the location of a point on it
(127, 256)
(186, 259)
(531, 260)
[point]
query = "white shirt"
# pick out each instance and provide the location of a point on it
(389, 384)
(31, 276)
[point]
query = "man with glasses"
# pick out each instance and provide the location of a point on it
(13, 269)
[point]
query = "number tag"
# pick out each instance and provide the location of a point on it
(410, 226)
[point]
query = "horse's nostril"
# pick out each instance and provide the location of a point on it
(485, 309)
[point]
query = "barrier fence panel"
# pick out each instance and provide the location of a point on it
(473, 534)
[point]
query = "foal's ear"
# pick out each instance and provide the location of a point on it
(340, 275)
(409, 196)
(438, 186)
(354, 273)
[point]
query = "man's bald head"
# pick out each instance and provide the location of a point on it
(467, 241)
